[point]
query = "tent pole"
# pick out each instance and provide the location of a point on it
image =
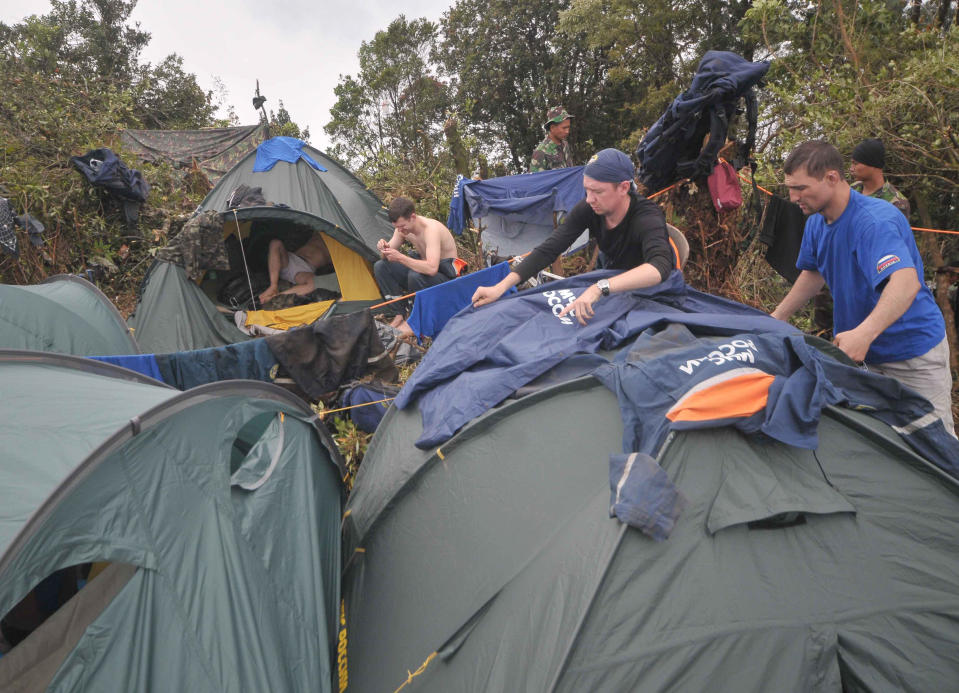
(249, 281)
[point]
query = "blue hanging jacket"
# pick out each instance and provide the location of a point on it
(287, 149)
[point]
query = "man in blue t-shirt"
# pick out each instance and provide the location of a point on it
(863, 248)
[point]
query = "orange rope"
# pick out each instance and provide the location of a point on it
(914, 228)
(392, 300)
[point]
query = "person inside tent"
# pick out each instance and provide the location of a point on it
(884, 315)
(630, 230)
(297, 267)
(868, 161)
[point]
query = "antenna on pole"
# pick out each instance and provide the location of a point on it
(258, 102)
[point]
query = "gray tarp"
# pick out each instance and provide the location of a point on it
(215, 150)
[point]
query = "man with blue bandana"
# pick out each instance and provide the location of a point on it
(630, 231)
(863, 248)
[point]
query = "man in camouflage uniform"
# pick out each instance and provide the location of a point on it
(553, 152)
(868, 161)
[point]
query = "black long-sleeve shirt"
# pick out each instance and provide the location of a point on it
(640, 237)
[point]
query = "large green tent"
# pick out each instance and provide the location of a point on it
(175, 314)
(491, 563)
(216, 512)
(64, 314)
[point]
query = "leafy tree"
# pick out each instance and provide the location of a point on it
(395, 107)
(281, 124)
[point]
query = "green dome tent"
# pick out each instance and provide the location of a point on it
(175, 314)
(64, 314)
(491, 563)
(216, 512)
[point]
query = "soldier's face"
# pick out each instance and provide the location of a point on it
(860, 171)
(560, 131)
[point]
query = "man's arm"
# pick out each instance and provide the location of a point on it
(540, 257)
(431, 263)
(637, 278)
(895, 299)
(809, 283)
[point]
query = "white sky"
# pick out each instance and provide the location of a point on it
(297, 48)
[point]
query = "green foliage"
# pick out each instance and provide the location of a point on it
(846, 71)
(394, 109)
(282, 125)
(75, 83)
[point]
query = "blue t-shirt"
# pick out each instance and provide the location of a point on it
(856, 254)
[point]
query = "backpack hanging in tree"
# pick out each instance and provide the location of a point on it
(673, 148)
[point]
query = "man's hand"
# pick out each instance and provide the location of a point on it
(487, 294)
(382, 245)
(391, 254)
(854, 343)
(583, 305)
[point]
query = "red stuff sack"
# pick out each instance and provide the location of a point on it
(724, 187)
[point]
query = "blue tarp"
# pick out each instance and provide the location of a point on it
(484, 355)
(530, 196)
(434, 306)
(287, 149)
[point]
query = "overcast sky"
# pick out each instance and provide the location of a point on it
(297, 49)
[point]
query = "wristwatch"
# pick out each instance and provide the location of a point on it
(603, 286)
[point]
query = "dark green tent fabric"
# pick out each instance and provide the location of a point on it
(64, 314)
(215, 150)
(224, 501)
(492, 564)
(173, 314)
(335, 200)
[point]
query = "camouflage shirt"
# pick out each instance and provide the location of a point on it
(548, 156)
(888, 193)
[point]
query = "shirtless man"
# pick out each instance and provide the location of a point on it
(432, 262)
(297, 268)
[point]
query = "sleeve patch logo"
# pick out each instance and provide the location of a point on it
(886, 262)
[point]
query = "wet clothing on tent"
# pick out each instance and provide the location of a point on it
(198, 246)
(484, 355)
(141, 363)
(639, 238)
(287, 149)
(782, 232)
(522, 197)
(435, 305)
(856, 254)
(772, 384)
(322, 356)
(250, 360)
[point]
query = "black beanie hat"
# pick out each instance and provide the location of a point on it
(871, 152)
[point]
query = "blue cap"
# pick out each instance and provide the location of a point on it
(610, 166)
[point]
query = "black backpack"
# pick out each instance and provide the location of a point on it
(673, 147)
